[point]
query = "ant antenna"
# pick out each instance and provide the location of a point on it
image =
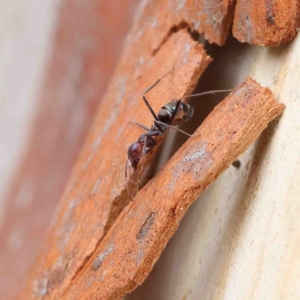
(161, 123)
(205, 94)
(173, 127)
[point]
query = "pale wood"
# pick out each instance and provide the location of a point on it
(240, 239)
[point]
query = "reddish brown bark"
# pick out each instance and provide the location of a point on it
(86, 48)
(154, 29)
(129, 250)
(266, 22)
(96, 193)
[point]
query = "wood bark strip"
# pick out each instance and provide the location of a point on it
(158, 19)
(76, 78)
(134, 243)
(266, 22)
(96, 194)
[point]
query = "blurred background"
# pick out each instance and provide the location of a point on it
(27, 30)
(54, 69)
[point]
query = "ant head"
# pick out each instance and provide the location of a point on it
(164, 115)
(134, 153)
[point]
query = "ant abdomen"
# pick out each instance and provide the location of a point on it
(134, 153)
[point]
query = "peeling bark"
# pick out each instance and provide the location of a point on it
(266, 22)
(85, 212)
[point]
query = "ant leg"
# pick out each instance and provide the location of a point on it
(153, 143)
(206, 93)
(172, 127)
(156, 82)
(146, 101)
(148, 136)
(141, 125)
(153, 133)
(148, 129)
(145, 137)
(148, 104)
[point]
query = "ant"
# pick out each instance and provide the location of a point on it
(170, 115)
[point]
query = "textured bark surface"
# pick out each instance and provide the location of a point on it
(86, 48)
(240, 239)
(266, 22)
(126, 255)
(71, 94)
(211, 18)
(91, 202)
(96, 193)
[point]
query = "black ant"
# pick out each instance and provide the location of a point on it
(170, 115)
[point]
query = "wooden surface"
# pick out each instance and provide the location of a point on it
(85, 217)
(240, 239)
(96, 192)
(126, 255)
(265, 22)
(212, 19)
(84, 54)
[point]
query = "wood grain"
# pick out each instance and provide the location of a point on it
(266, 22)
(240, 239)
(76, 76)
(158, 19)
(129, 250)
(96, 193)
